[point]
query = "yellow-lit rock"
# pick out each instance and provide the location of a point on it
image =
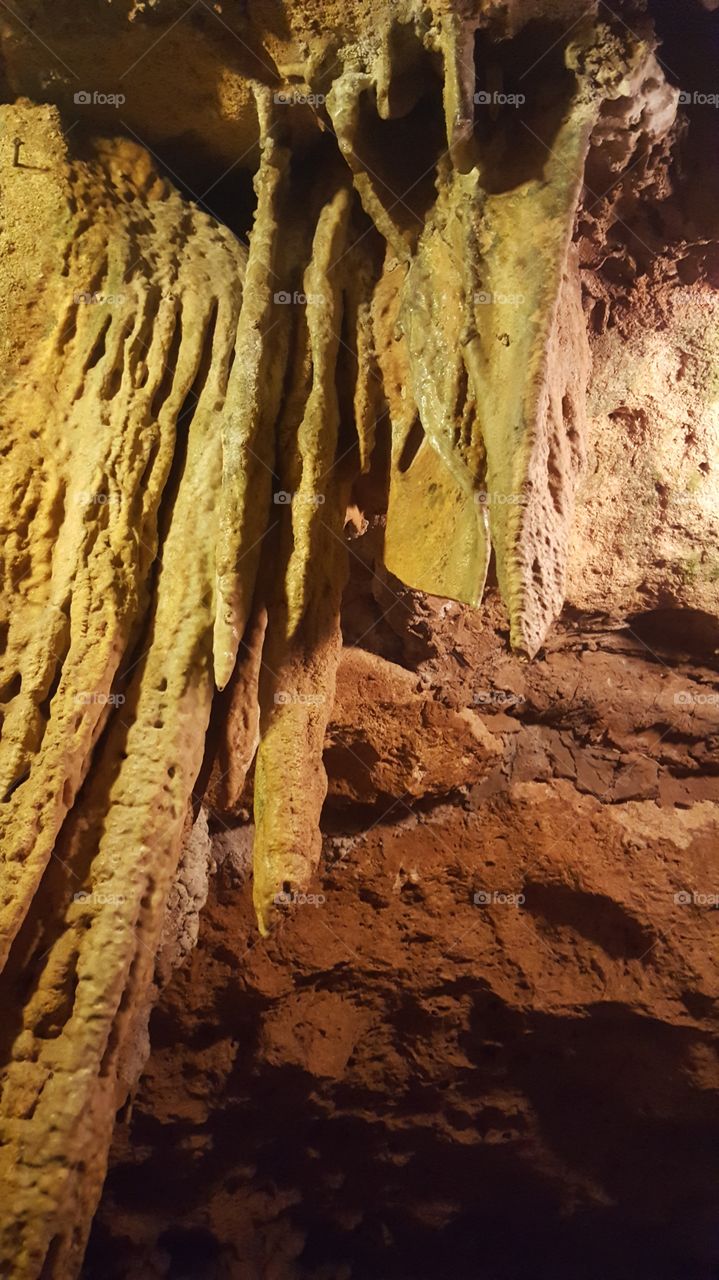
(186, 417)
(109, 524)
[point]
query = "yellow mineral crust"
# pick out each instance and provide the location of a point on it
(303, 638)
(109, 529)
(182, 422)
(254, 396)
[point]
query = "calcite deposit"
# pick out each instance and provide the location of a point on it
(109, 512)
(359, 512)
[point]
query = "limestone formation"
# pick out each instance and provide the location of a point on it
(110, 510)
(186, 418)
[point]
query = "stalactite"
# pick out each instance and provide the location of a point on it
(188, 419)
(303, 638)
(111, 638)
(252, 405)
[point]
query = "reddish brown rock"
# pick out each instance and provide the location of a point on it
(388, 736)
(497, 994)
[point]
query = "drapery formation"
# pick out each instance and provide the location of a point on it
(183, 421)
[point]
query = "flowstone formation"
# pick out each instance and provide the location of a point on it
(109, 513)
(186, 419)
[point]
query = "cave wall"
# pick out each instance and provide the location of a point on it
(483, 1044)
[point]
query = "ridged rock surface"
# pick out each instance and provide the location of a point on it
(109, 507)
(449, 329)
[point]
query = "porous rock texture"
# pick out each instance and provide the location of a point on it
(476, 313)
(110, 568)
(484, 1044)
